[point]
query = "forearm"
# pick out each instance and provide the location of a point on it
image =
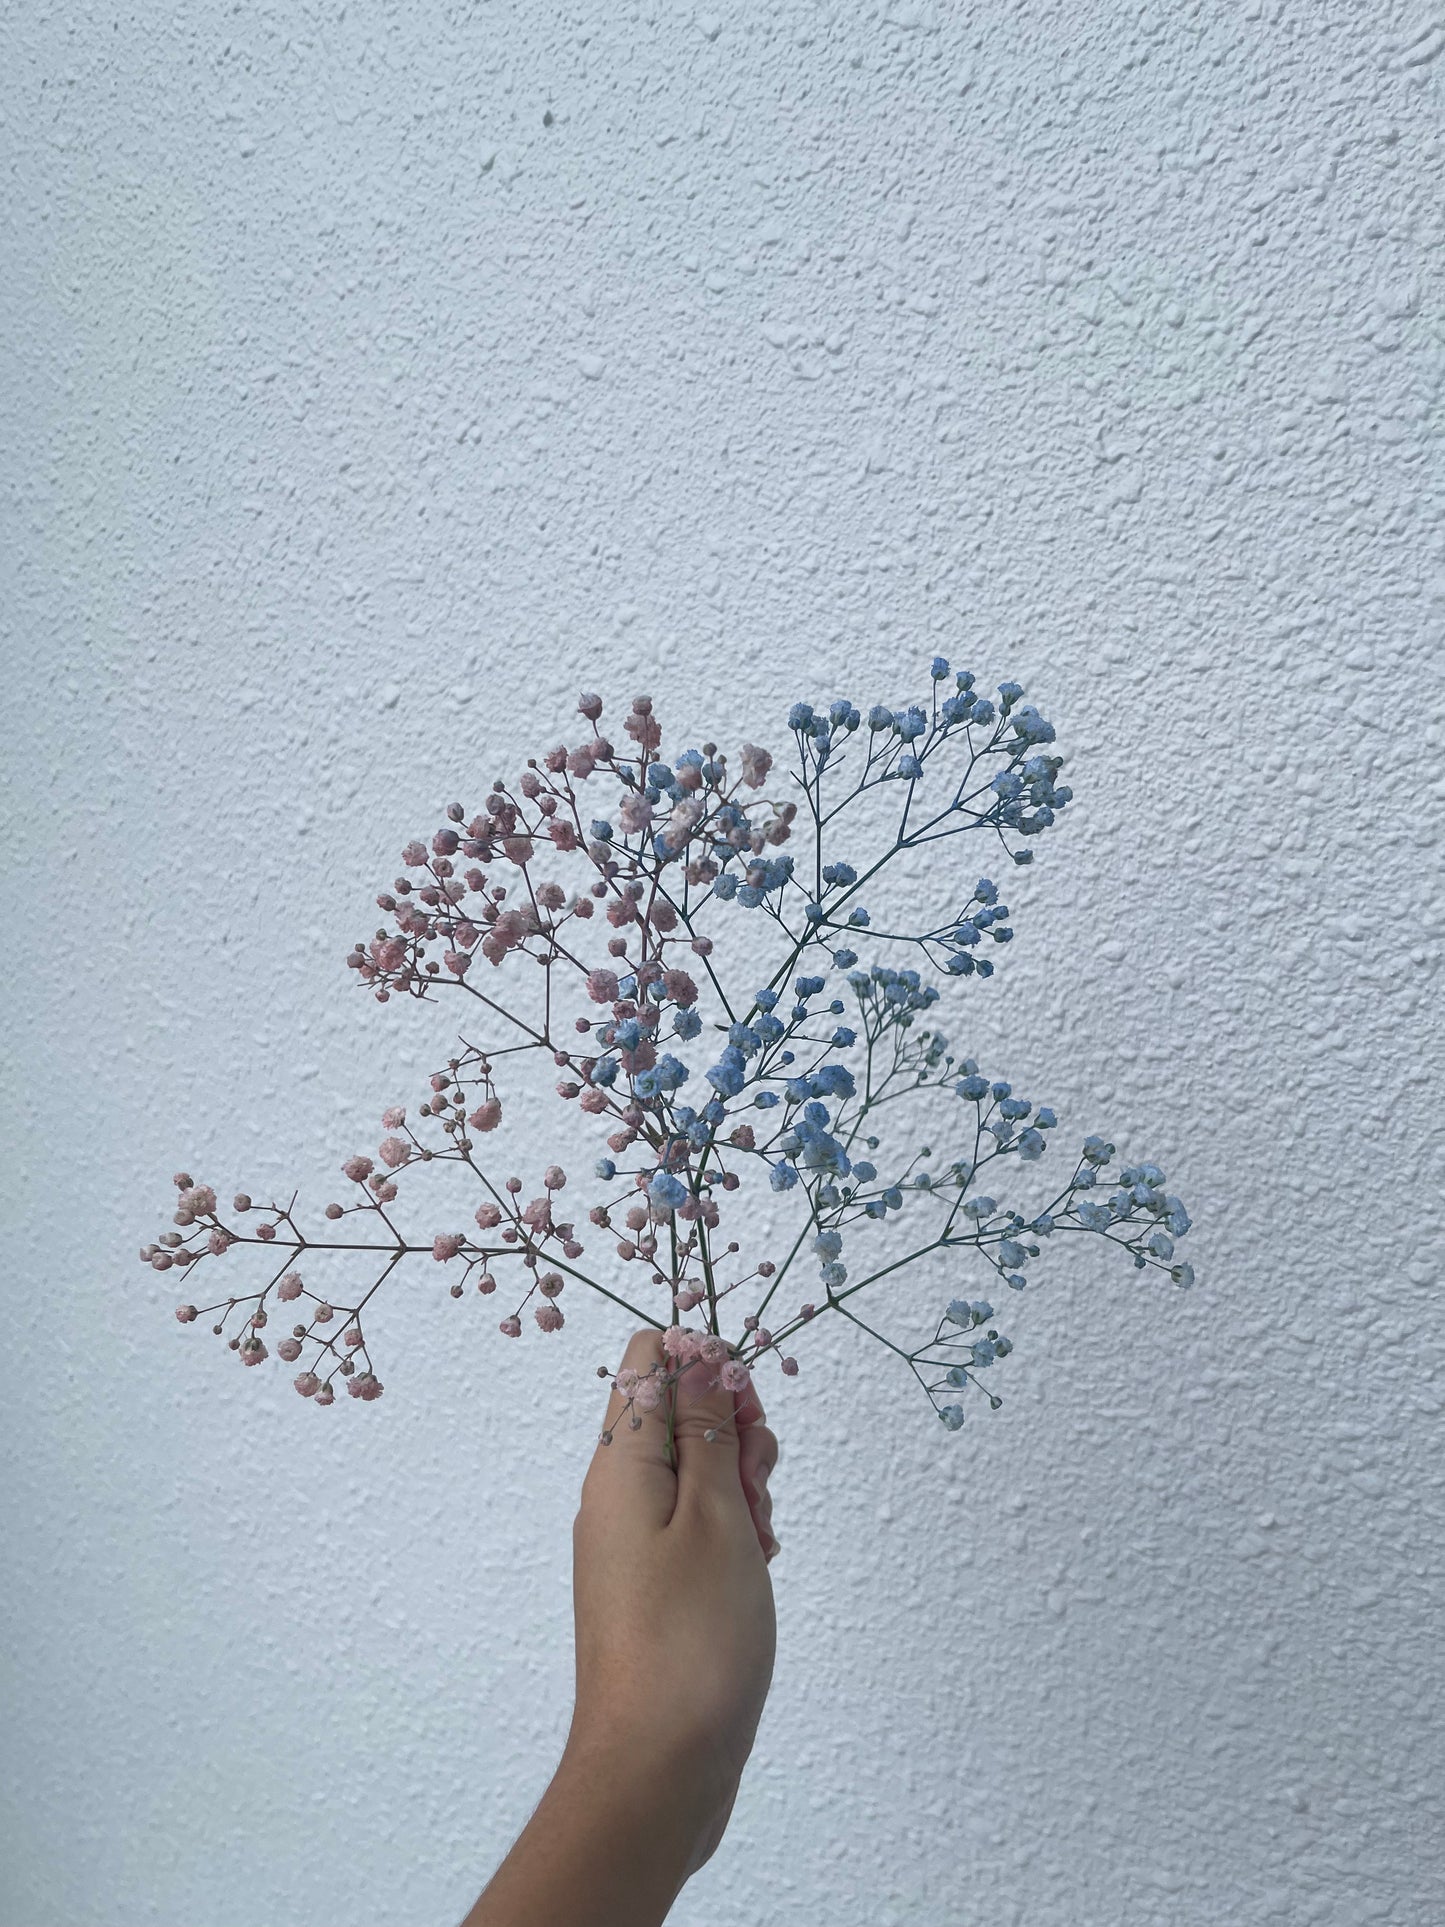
(610, 1845)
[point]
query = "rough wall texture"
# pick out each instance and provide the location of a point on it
(379, 375)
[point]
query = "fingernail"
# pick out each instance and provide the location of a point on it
(774, 1548)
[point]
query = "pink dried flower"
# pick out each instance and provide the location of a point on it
(351, 1337)
(186, 1314)
(393, 1151)
(683, 821)
(790, 1367)
(393, 1119)
(289, 1287)
(755, 765)
(326, 1396)
(457, 962)
(488, 1216)
(358, 1169)
(554, 1177)
(306, 1384)
(199, 1200)
(487, 1116)
(510, 1328)
(634, 813)
(289, 1349)
(218, 1242)
(734, 1376)
(252, 1351)
(446, 1245)
(713, 1350)
(549, 1318)
(414, 855)
(602, 986)
(680, 1344)
(549, 1284)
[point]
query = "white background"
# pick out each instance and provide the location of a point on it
(377, 377)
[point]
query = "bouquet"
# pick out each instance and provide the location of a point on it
(733, 978)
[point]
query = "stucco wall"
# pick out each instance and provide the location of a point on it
(377, 377)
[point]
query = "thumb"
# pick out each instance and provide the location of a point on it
(706, 1434)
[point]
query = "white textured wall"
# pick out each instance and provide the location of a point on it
(376, 377)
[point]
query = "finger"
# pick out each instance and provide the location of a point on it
(748, 1406)
(705, 1428)
(757, 1455)
(631, 1457)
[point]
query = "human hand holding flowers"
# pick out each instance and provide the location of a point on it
(674, 1642)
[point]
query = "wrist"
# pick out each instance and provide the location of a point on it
(612, 1841)
(669, 1794)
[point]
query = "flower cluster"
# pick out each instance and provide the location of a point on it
(694, 929)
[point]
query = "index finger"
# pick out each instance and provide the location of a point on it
(636, 1451)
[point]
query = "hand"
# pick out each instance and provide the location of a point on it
(675, 1640)
(675, 1627)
